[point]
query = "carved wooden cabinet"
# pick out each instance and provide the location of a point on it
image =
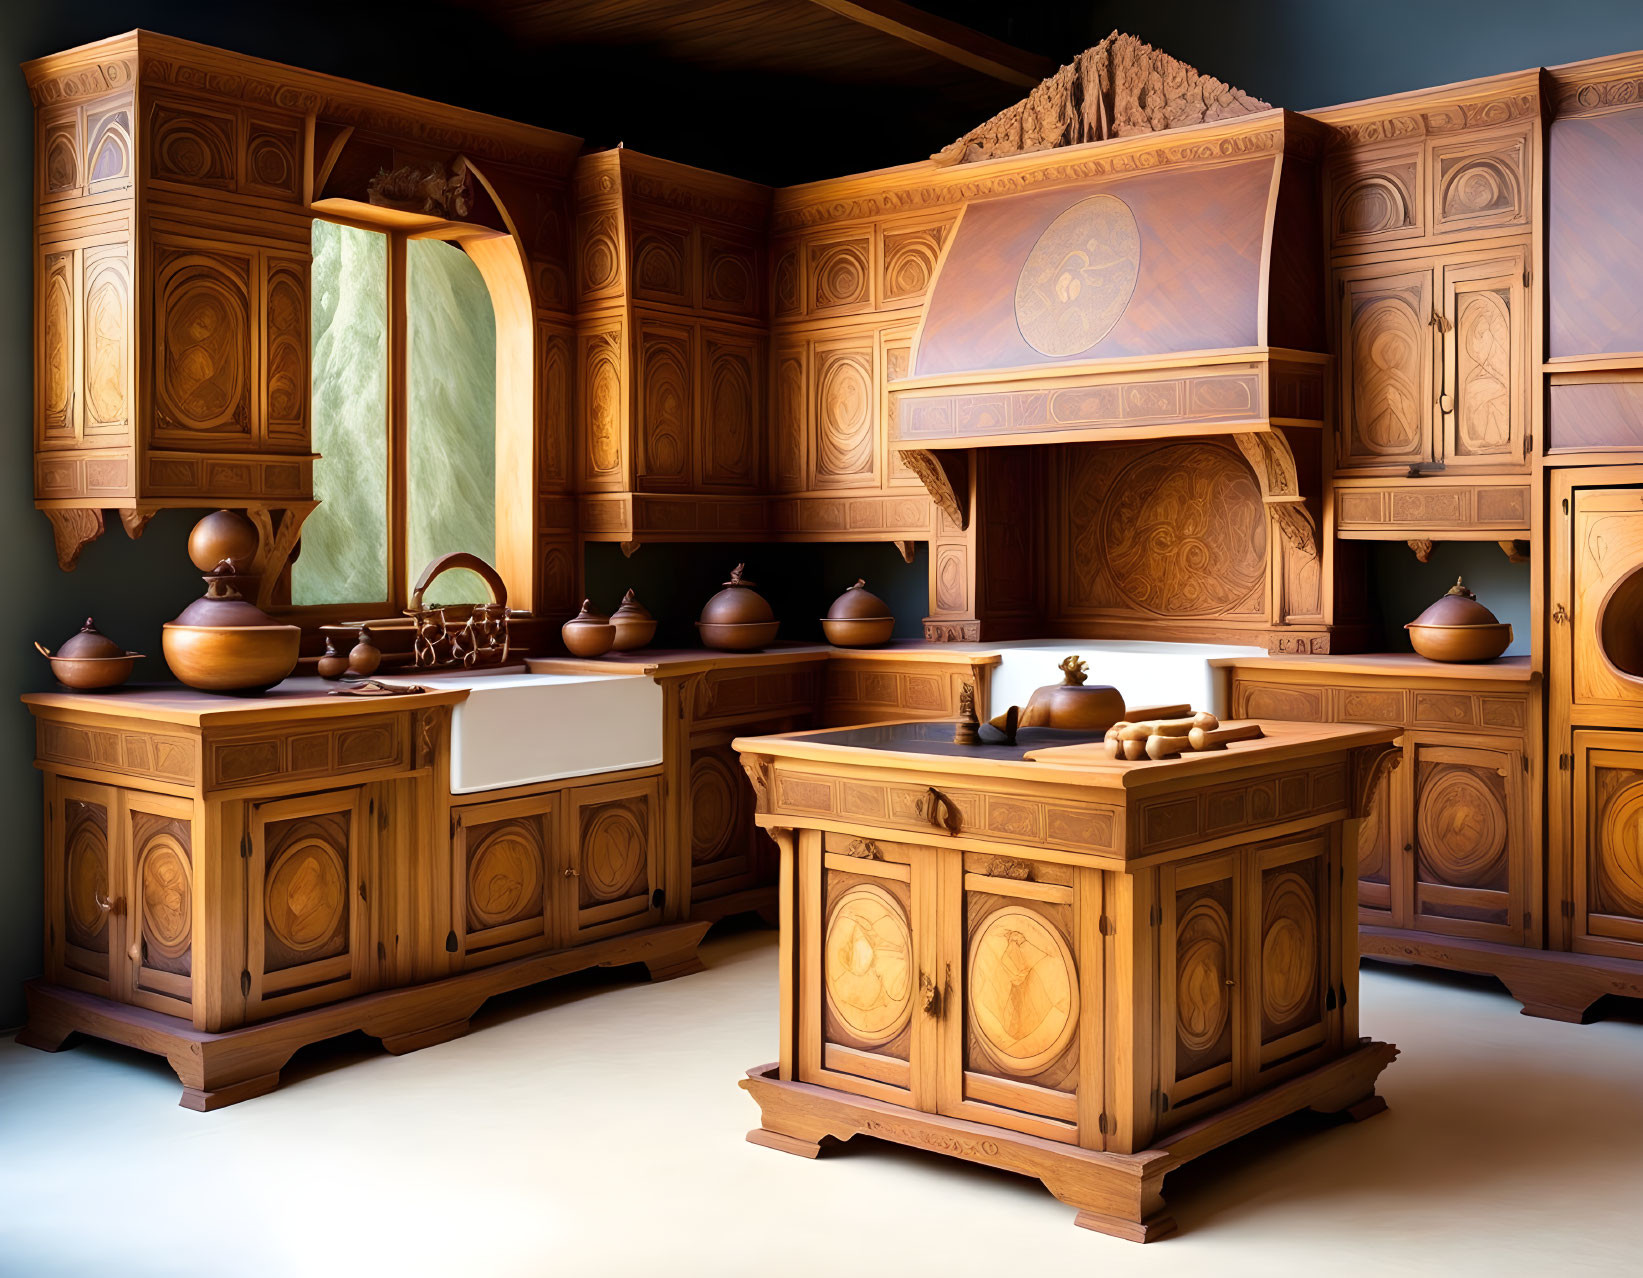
(229, 879)
(1607, 853)
(1040, 972)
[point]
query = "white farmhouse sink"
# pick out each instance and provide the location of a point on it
(1146, 673)
(519, 729)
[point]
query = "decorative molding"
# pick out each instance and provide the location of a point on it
(1273, 461)
(1371, 765)
(945, 474)
(1422, 548)
(73, 531)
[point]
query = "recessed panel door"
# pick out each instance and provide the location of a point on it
(1389, 336)
(1484, 397)
(502, 857)
(1608, 844)
(160, 889)
(1201, 968)
(613, 837)
(85, 902)
(1469, 859)
(1290, 999)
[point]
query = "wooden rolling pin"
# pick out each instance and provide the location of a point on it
(1217, 738)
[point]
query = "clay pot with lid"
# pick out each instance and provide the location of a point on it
(1458, 628)
(1072, 703)
(738, 618)
(222, 642)
(858, 619)
(89, 660)
(588, 633)
(635, 627)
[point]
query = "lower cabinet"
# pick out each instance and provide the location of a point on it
(728, 852)
(308, 929)
(613, 861)
(1468, 840)
(974, 985)
(1608, 844)
(503, 898)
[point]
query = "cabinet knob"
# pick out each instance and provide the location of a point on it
(572, 873)
(108, 905)
(1446, 402)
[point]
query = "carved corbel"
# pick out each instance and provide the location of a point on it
(1422, 548)
(945, 474)
(1370, 766)
(757, 768)
(74, 530)
(1516, 552)
(134, 521)
(1270, 457)
(630, 548)
(275, 542)
(905, 549)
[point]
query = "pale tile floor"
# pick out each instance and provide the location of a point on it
(595, 1127)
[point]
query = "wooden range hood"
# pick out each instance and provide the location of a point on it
(1156, 288)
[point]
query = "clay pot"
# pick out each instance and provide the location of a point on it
(588, 634)
(635, 627)
(89, 660)
(222, 642)
(364, 657)
(223, 534)
(334, 663)
(1073, 704)
(858, 619)
(738, 618)
(1458, 628)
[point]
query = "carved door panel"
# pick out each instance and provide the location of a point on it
(666, 363)
(203, 338)
(1608, 844)
(503, 885)
(1470, 874)
(790, 425)
(108, 167)
(613, 870)
(1606, 541)
(1382, 860)
(285, 350)
(602, 393)
(158, 837)
(1485, 391)
(107, 342)
(897, 354)
(61, 166)
(1389, 332)
(1012, 1005)
(843, 414)
(1201, 1042)
(1291, 998)
(85, 901)
(57, 378)
(870, 992)
(729, 422)
(307, 922)
(725, 844)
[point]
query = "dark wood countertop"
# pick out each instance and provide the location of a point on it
(300, 697)
(681, 661)
(1402, 665)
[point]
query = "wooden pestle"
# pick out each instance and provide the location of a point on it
(1215, 738)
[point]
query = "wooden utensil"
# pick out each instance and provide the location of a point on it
(1215, 738)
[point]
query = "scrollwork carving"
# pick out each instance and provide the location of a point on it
(945, 474)
(1371, 765)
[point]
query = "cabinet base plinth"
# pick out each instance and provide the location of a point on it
(754, 900)
(1553, 984)
(1117, 1194)
(219, 1069)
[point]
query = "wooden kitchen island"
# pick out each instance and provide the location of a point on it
(1046, 960)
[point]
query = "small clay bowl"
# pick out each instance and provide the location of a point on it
(1460, 643)
(91, 674)
(588, 634)
(635, 627)
(230, 658)
(737, 636)
(858, 632)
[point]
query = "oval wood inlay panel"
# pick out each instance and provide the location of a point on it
(1372, 205)
(505, 875)
(55, 339)
(287, 337)
(601, 259)
(1289, 950)
(1483, 333)
(840, 276)
(306, 894)
(1386, 361)
(604, 410)
(86, 878)
(204, 345)
(62, 164)
(1023, 990)
(1479, 187)
(192, 148)
(1462, 826)
(167, 880)
(868, 956)
(106, 345)
(844, 401)
(1203, 951)
(1079, 277)
(713, 791)
(666, 400)
(732, 454)
(613, 854)
(1619, 868)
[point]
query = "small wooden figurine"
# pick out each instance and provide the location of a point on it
(968, 729)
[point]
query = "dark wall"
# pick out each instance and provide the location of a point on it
(1296, 53)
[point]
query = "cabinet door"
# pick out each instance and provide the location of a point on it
(502, 860)
(1013, 1008)
(1389, 331)
(1608, 844)
(158, 838)
(85, 908)
(285, 352)
(869, 987)
(730, 420)
(666, 363)
(57, 346)
(790, 415)
(1382, 860)
(107, 343)
(613, 840)
(1291, 1001)
(1201, 967)
(727, 850)
(203, 379)
(843, 414)
(307, 928)
(1470, 861)
(1486, 383)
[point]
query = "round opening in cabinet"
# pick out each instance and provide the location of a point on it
(1620, 625)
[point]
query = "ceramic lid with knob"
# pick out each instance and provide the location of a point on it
(738, 604)
(1458, 607)
(631, 609)
(90, 642)
(858, 604)
(223, 606)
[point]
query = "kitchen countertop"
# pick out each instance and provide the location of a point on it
(1396, 664)
(304, 695)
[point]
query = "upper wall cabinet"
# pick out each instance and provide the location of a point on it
(1429, 208)
(175, 188)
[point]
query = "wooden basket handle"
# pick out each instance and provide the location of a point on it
(460, 559)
